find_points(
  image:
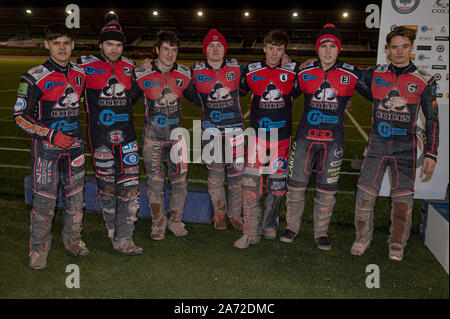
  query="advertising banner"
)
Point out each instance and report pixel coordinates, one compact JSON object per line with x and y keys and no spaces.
{"x":431,"y":20}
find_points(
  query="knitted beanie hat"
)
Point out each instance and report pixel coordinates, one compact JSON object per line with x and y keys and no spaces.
{"x":214,"y":35}
{"x":329,"y":33}
{"x":112,"y":29}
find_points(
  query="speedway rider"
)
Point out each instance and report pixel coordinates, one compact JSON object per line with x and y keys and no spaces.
{"x":110,"y":95}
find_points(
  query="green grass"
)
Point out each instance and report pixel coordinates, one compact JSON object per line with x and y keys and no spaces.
{"x":204,"y":264}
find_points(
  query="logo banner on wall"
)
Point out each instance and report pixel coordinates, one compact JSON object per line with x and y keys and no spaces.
{"x":430,"y":19}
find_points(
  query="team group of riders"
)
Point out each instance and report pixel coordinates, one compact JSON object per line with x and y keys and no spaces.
{"x":48,"y":107}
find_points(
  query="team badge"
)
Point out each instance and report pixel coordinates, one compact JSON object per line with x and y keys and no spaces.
{"x":116,"y":136}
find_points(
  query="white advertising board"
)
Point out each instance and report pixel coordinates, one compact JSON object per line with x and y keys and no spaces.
{"x":431,"y":20}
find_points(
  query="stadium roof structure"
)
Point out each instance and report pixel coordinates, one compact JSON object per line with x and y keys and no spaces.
{"x":243,"y":33}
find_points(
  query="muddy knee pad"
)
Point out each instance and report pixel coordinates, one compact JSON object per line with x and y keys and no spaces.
{"x":276,"y":186}
{"x":295,"y":205}
{"x":251,"y":206}
{"x":401,"y":215}
{"x":324,"y":202}
{"x":234,"y":196}
{"x":363,"y":219}
{"x":155,"y":195}
{"x":73,"y":212}
{"x":177,"y":200}
{"x":272,"y":208}
{"x":108,"y":201}
{"x":127,"y":208}
{"x":216,"y":190}
{"x":41,"y":218}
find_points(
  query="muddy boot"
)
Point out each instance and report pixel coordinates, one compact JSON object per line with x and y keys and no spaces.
{"x":270,"y":233}
{"x":177,"y":229}
{"x":158,"y":232}
{"x":359,"y":247}
{"x":245,"y":241}
{"x":38,"y":259}
{"x":287,"y":236}
{"x":77,"y":248}
{"x":127,"y":246}
{"x":323,"y":243}
{"x":159,"y":222}
{"x":396,"y":252}
{"x":236,"y":222}
{"x":220,"y":221}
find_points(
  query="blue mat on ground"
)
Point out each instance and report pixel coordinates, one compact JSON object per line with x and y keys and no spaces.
{"x":197,"y":209}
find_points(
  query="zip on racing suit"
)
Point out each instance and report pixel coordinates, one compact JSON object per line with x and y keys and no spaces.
{"x":398,"y":94}
{"x":49,"y":101}
{"x":110,"y":94}
{"x":270,"y":112}
{"x":162,"y":94}
{"x":222,"y":116}
{"x":320,"y":140}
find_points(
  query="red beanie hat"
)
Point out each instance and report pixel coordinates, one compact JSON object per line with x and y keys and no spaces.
{"x":329,"y":33}
{"x":214,"y":35}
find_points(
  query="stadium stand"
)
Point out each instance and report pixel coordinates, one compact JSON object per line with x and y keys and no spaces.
{"x":244,"y":34}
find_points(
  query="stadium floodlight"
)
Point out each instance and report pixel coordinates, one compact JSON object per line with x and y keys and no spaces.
{"x":295,"y":14}
{"x":29,"y":11}
{"x":200,"y":13}
{"x":155,"y":13}
{"x":345,"y":14}
{"x":247,"y":14}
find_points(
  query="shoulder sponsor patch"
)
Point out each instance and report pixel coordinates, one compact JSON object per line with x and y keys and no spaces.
{"x":291,"y":66}
{"x":254,"y":66}
{"x":128,"y":60}
{"x":348,"y":66}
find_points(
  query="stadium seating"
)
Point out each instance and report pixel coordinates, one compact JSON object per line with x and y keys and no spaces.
{"x":243,"y":34}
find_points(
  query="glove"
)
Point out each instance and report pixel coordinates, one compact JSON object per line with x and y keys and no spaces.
{"x":62,"y":140}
